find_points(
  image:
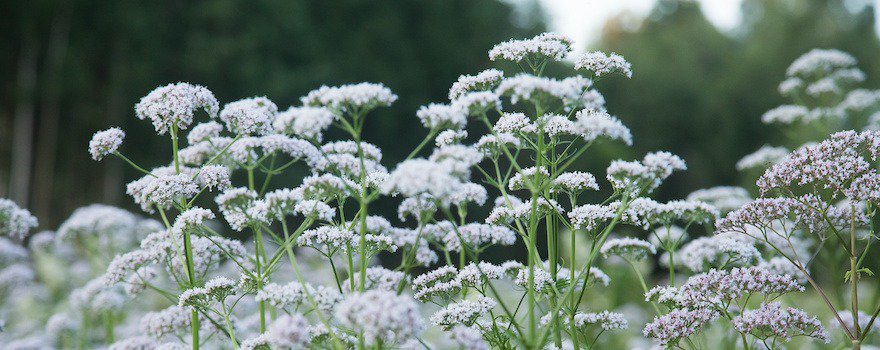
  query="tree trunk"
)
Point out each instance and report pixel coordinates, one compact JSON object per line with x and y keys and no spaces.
{"x":47,"y":137}
{"x":23,"y":127}
{"x":115,"y":112}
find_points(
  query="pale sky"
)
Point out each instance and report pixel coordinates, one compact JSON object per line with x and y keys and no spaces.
{"x":582,"y":20}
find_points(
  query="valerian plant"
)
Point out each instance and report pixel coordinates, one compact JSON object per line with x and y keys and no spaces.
{"x":228,"y":259}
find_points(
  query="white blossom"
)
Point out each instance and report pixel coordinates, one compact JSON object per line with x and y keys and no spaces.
{"x":439,"y":116}
{"x":601,"y":64}
{"x":175,"y":104}
{"x":105,"y":142}
{"x":306,"y":122}
{"x":347,"y":98}
{"x":484,"y":80}
{"x":15,"y":222}
{"x":547,"y":45}
{"x":250,"y":116}
{"x":380,"y":315}
{"x":763,"y":157}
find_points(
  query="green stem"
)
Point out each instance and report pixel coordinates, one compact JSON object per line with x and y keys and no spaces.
{"x":85,"y":330}
{"x":672,"y":267}
{"x":571,"y":279}
{"x":421,"y":145}
{"x":258,"y":242}
{"x":362,"y":248}
{"x":854,"y":278}
{"x":642,"y":282}
{"x":289,"y":248}
{"x":108,"y":327}
{"x":229,"y":326}
{"x":187,"y":251}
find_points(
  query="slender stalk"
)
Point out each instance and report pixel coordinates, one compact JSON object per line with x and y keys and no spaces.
{"x":532,"y":260}
{"x":362,"y":248}
{"x":85,"y":330}
{"x":854,"y":279}
{"x":229,"y":328}
{"x":642,"y":282}
{"x":187,"y":248}
{"x":258,"y":242}
{"x":672,"y":267}
{"x":289,"y":248}
{"x":573,"y":304}
{"x":108,"y":327}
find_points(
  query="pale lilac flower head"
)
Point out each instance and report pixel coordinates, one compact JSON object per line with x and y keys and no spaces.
{"x":678,"y":324}
{"x":105,"y":142}
{"x":772,"y":321}
{"x":832,"y":164}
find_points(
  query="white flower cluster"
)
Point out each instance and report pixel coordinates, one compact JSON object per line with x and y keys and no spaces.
{"x":348,"y":98}
{"x":105,"y":142}
{"x":381,"y":316}
{"x":593,"y":123}
{"x":725,"y":198}
{"x":546,"y":45}
{"x":15,"y":222}
{"x":820,"y":61}
{"x":763,"y":157}
{"x":250,"y":116}
{"x":529,"y":87}
{"x":439,"y":116}
{"x":462,"y":313}
{"x":485,"y":80}
{"x":601,"y":64}
{"x":173,"y":105}
{"x":787,"y":114}
{"x":718,"y":251}
{"x":305,"y":122}
{"x":575,"y":182}
{"x":607,"y":320}
{"x":161,"y":189}
{"x":450,"y":137}
{"x":643,"y":177}
{"x":629,"y":248}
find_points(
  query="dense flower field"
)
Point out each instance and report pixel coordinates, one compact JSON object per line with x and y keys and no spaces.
{"x":222,"y":258}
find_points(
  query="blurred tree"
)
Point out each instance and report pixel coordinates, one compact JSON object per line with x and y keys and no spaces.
{"x":700,"y":93}
{"x":73,"y":67}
